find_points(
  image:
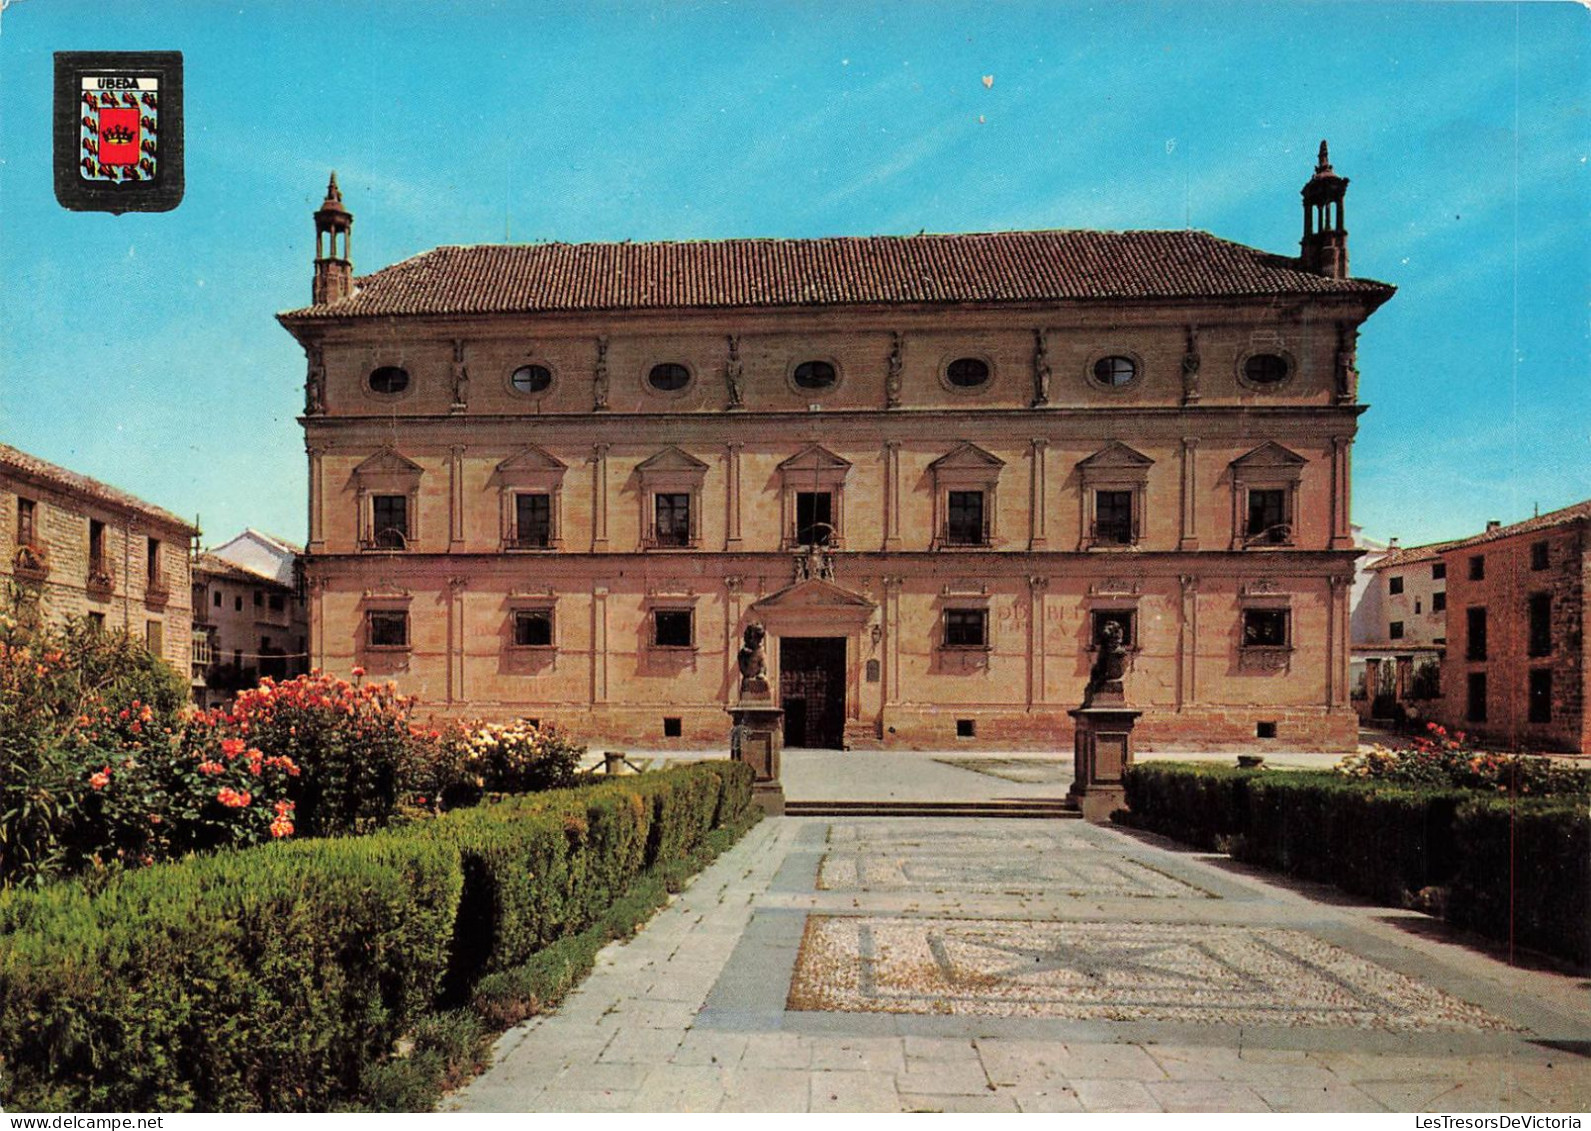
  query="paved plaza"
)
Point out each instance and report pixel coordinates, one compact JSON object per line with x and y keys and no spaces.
{"x":954,"y":964}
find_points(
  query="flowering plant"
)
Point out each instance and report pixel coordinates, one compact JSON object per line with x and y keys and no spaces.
{"x":520,"y":757}
{"x":1443,"y":758}
{"x":344,"y":750}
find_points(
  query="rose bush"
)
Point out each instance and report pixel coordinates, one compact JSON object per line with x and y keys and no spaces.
{"x":1444,"y":758}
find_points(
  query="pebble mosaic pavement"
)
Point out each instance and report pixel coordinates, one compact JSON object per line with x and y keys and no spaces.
{"x":842,"y":964}
{"x":1110,"y":972}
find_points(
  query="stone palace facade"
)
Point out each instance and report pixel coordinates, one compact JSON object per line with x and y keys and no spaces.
{"x":558,"y":481}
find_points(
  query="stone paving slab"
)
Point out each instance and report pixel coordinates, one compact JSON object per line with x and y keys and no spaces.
{"x":693,"y":1015}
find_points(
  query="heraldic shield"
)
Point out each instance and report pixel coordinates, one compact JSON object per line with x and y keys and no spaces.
{"x":121,"y":128}
{"x":123,"y":138}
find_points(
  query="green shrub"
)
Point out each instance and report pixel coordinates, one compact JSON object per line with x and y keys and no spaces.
{"x":1199,"y":804}
{"x":281,"y":977}
{"x":1386,"y":842}
{"x":1525,"y":866}
{"x":266,"y":979}
{"x":1523,"y":862}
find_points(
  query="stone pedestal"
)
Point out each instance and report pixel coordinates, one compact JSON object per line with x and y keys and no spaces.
{"x":756,"y":737}
{"x":1103,"y":752}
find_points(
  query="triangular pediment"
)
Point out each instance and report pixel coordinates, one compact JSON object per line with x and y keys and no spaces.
{"x":1269,"y":455}
{"x":532,"y":459}
{"x":388,"y":462}
{"x":965,"y":457}
{"x":670,"y":459}
{"x":1116,"y":455}
{"x":813,"y":595}
{"x":814,"y":457}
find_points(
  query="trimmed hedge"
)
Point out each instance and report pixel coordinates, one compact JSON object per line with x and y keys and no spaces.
{"x":1550,"y":844}
{"x":1388,"y":842}
{"x":279,"y":978}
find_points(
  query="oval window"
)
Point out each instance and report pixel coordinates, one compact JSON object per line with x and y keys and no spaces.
{"x":669,"y":377}
{"x":814,"y":375}
{"x":967,"y":372}
{"x":531,"y":379}
{"x":389,"y":379}
{"x":1115,"y":371}
{"x":1265,"y":369}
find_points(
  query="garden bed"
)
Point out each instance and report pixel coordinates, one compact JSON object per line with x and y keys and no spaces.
{"x":285,"y":977}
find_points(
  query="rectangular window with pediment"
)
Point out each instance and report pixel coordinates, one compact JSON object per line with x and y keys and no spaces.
{"x":1267,"y":517}
{"x":671,"y":519}
{"x":532,"y":521}
{"x":389,"y":521}
{"x":814,"y":518}
{"x":1113,"y":518}
{"x":965,"y":519}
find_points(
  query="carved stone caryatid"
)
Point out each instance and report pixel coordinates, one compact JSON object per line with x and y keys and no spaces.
{"x":461,"y":378}
{"x":1041,"y":369}
{"x":1347,"y":364}
{"x":892,"y":380}
{"x":1190,"y":369}
{"x":1104,"y":681}
{"x":599,"y":380}
{"x":315,"y":382}
{"x":753,"y":664}
{"x":734,"y":374}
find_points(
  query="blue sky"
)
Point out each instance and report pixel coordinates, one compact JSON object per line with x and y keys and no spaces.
{"x":141,"y":349}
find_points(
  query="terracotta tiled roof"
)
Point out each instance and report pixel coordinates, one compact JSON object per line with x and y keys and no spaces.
{"x":208,"y":564}
{"x":71,"y":482}
{"x":1411,"y":555}
{"x":992,"y":267}
{"x":1579,"y":512}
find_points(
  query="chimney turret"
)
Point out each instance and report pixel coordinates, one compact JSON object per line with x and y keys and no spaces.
{"x":334,"y":268}
{"x":1325,"y":242}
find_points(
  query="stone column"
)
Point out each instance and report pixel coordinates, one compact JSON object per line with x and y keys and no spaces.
{"x":599,"y":644}
{"x":1037,"y":677}
{"x":1341,"y":534}
{"x":1188,"y":642}
{"x":732,"y":497}
{"x":891,"y":495}
{"x":1190,"y":496}
{"x":317,"y":517}
{"x":455,"y":638}
{"x":1038,"y":534}
{"x":599,"y":497}
{"x":733,"y":603}
{"x":1337,"y":642}
{"x":455,"y":499}
{"x":317,"y":622}
{"x":891,"y":641}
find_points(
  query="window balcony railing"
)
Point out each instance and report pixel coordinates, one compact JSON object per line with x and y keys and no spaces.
{"x":100,"y":577}
{"x":1113,"y":533}
{"x":390,"y":539}
{"x":1278,"y":534}
{"x":971,"y":537}
{"x":31,"y":562}
{"x":157,"y":591}
{"x":533,"y":540}
{"x":668,"y":540}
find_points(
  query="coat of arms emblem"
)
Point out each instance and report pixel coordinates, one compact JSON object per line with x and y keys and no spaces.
{"x":125,"y":130}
